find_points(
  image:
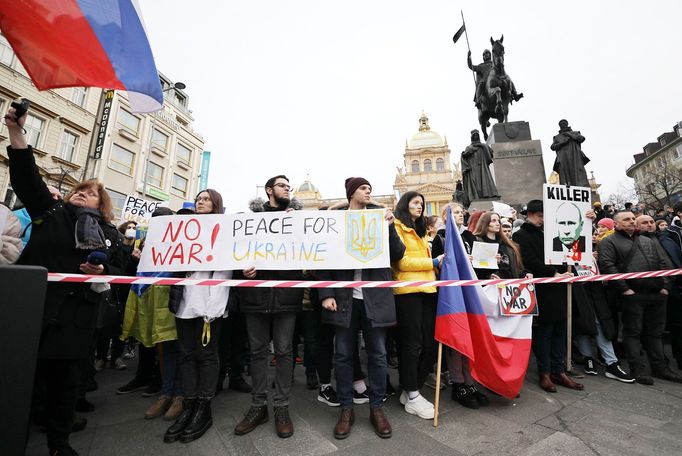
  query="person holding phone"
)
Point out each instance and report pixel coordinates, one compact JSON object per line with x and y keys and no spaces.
{"x":64,"y":235}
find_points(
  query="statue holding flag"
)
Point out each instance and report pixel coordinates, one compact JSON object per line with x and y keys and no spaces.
{"x":481,"y":72}
{"x":495,"y":90}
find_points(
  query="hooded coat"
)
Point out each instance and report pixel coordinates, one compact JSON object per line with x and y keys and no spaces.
{"x":271,"y":300}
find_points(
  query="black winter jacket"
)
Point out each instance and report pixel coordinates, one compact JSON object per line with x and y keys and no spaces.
{"x":70,"y":314}
{"x":270,"y":300}
{"x":379,"y":302}
{"x":552,"y":299}
{"x":613,"y":252}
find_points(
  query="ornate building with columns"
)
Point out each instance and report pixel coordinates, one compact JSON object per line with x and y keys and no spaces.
{"x":427,"y":168}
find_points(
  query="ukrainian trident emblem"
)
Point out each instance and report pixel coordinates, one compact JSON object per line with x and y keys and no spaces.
{"x":364,"y":234}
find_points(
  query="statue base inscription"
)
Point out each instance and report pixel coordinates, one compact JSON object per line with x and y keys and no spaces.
{"x":518,"y":165}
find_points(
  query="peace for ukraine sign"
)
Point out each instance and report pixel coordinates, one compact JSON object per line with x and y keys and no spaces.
{"x":267,"y":240}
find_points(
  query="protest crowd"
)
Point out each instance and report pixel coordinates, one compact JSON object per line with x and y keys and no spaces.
{"x":193,"y":341}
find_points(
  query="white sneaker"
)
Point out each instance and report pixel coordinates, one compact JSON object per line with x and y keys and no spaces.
{"x":119,"y":364}
{"x":403,"y":397}
{"x":99,"y":365}
{"x":421,"y":407}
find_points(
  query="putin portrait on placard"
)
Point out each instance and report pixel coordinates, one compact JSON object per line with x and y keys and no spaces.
{"x":569,"y":222}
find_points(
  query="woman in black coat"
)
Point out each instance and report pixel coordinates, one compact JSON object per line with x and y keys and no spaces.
{"x":73,"y":236}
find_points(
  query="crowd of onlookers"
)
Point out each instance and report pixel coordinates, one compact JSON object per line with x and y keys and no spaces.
{"x":191,"y":341}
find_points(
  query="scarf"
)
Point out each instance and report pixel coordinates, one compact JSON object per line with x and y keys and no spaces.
{"x":89,"y":235}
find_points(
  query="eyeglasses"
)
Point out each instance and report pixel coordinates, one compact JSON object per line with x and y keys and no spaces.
{"x":283,"y":185}
{"x":202,"y":199}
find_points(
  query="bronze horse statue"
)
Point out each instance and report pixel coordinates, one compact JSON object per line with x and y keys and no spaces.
{"x":499,"y":90}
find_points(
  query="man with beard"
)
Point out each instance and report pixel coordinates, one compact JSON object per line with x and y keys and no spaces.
{"x":271,"y":311}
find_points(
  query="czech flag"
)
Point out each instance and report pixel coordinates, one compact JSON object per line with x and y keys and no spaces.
{"x":469,"y":321}
{"x":84,"y":43}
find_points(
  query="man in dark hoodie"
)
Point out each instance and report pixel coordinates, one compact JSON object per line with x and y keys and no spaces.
{"x":271,"y":311}
{"x":369,"y":309}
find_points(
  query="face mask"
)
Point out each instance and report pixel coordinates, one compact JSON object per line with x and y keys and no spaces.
{"x":130,"y":233}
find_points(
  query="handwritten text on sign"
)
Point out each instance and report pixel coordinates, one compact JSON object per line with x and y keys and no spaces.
{"x":518,"y":299}
{"x":267,"y":240}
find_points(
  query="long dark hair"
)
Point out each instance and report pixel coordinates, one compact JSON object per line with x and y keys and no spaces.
{"x":482,"y":231}
{"x":402,"y":213}
{"x":216,"y":199}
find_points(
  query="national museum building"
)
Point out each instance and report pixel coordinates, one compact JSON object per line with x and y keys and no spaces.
{"x":426,"y":169}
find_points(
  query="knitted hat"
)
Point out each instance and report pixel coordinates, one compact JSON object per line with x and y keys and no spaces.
{"x":352,"y":184}
{"x":607,"y":222}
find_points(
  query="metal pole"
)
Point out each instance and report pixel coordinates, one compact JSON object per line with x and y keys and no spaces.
{"x":149,"y":154}
{"x":466,"y":35}
{"x":569,"y":327}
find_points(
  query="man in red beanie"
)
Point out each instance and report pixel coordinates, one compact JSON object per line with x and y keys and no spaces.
{"x":369,"y":309}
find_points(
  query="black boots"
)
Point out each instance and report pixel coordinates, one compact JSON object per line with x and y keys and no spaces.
{"x":200,"y":422}
{"x":192,"y":423}
{"x":173,"y":433}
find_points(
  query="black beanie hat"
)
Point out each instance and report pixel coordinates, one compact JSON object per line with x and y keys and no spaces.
{"x":352,"y":184}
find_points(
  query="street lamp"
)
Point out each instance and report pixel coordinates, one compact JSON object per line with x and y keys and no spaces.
{"x":175,"y":86}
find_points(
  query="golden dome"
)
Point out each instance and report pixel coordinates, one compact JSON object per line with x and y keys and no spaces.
{"x":425,"y":137}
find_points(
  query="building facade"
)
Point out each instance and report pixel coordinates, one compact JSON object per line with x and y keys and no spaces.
{"x":59,"y":125}
{"x":153,"y":156}
{"x":427,"y":168}
{"x":156,"y":156}
{"x":657,"y":171}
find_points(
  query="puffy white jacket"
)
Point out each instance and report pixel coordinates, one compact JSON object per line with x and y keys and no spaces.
{"x":205,"y":301}
{"x":10,"y":237}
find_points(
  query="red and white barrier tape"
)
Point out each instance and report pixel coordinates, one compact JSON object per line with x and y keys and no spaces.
{"x":81,"y":278}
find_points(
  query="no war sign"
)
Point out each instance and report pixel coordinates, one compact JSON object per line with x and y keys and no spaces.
{"x":518,"y":299}
{"x":272,"y":240}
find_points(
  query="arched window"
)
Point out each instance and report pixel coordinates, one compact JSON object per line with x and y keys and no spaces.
{"x":440,"y":164}
{"x":415,"y":166}
{"x":427,"y":165}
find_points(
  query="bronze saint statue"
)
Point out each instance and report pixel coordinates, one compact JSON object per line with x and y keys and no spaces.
{"x":477,"y":180}
{"x":570,"y":160}
{"x":497,"y":90}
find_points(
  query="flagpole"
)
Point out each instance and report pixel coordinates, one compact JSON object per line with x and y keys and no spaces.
{"x":466,"y":35}
{"x":438,"y":366}
{"x":569,"y":327}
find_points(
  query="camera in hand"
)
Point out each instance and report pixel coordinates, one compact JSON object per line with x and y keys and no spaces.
{"x":20,"y":108}
{"x":97,"y":257}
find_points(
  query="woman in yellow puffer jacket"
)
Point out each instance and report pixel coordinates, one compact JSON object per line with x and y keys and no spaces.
{"x":415,"y":306}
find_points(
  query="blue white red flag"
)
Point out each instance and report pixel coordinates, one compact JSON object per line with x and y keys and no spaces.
{"x":468,"y":320}
{"x":84,"y":43}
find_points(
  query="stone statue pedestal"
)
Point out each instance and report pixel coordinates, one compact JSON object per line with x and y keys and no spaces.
{"x":518,"y":167}
{"x":483,"y":204}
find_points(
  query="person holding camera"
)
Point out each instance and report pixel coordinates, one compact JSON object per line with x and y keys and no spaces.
{"x":73,"y":236}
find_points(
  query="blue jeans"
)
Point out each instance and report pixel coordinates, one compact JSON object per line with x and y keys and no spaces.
{"x":549,"y":347}
{"x":170,"y":375}
{"x":605,"y":346}
{"x":345,"y":347}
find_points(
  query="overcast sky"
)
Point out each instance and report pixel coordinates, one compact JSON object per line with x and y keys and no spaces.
{"x":334,"y":88}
